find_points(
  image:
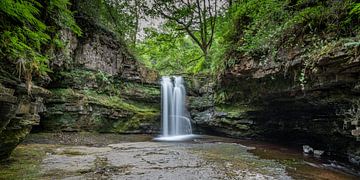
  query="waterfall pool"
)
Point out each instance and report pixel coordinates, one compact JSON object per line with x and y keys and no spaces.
{"x":185,"y":137}
{"x":114,"y":156}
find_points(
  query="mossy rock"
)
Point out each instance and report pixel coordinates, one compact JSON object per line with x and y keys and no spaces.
{"x":236,"y":111}
{"x":89,"y":110}
{"x":10,"y":138}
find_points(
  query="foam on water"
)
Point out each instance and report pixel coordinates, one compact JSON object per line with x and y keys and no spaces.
{"x":176,"y":138}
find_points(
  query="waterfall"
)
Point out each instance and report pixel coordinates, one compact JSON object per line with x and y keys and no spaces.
{"x":174,"y":120}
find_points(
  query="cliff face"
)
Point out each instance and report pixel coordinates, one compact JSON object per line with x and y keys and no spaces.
{"x":18,"y":113}
{"x":315,"y":104}
{"x":292,"y":74}
{"x":96,"y":85}
{"x":99,"y":86}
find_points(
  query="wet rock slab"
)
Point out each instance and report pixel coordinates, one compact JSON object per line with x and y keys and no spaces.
{"x":142,"y":160}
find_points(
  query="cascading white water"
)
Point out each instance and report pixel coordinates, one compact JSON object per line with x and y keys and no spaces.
{"x":175,"y":124}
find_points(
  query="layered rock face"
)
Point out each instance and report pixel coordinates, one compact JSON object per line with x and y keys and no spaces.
{"x":315,"y":104}
{"x":96,"y":85}
{"x":99,"y":86}
{"x":18,"y":113}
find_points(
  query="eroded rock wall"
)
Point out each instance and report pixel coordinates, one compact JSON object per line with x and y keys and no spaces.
{"x":292,"y":100}
{"x":99,"y":86}
{"x":19,"y":111}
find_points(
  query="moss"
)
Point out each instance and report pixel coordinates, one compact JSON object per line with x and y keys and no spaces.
{"x":77,"y":74}
{"x":65,"y":94}
{"x":242,"y":127}
{"x":71,"y":153}
{"x":135,"y":122}
{"x":75,"y":77}
{"x":225,"y":154}
{"x":131,"y":114}
{"x":57,"y":121}
{"x":87,"y":79}
{"x":91,"y":96}
{"x":114,"y":102}
{"x":130,"y":88}
{"x":234,"y":111}
{"x":124,"y":126}
{"x":24,"y":162}
{"x":10,"y":138}
{"x":226,"y":121}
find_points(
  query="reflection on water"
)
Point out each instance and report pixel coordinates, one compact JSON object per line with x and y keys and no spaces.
{"x":297,"y":165}
{"x":234,"y":157}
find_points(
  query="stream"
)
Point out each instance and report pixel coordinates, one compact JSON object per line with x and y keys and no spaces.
{"x":113,"y":156}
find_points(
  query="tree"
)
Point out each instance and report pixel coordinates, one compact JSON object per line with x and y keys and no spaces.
{"x":125,"y":15}
{"x":195,"y":17}
{"x":168,"y":51}
{"x":119,"y":16}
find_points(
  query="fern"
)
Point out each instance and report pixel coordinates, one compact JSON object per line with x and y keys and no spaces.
{"x":62,"y":16}
{"x":24,"y":35}
{"x":356,"y":9}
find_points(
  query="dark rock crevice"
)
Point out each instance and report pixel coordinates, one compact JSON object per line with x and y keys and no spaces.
{"x":295,"y":102}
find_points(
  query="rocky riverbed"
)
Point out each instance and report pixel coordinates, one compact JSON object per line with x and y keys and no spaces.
{"x":110,"y":156}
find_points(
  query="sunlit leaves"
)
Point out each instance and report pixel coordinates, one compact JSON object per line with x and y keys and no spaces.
{"x":169,"y":52}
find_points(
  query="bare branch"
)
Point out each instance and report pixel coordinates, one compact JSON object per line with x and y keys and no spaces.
{"x":186,"y":27}
{"x":191,"y":61}
{"x":195,"y":17}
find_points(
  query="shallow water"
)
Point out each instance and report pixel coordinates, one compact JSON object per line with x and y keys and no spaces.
{"x":112,"y":156}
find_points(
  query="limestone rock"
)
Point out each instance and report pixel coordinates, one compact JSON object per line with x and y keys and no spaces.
{"x":287,"y":100}
{"x":18,"y":114}
{"x":98,"y":85}
{"x":307,"y":149}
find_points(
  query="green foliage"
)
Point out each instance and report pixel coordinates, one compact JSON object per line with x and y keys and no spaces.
{"x":262,"y":27}
{"x":121,"y":17}
{"x":23,"y":11}
{"x":356,"y":10}
{"x":25,"y":36}
{"x":169,"y":52}
{"x":62,"y":16}
{"x":172,"y":51}
{"x":258,"y":28}
{"x":220,"y":45}
{"x":22,"y":42}
{"x":265,"y":16}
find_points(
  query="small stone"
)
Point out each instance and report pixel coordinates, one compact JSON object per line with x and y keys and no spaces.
{"x":356,"y":132}
{"x":307,"y":149}
{"x":318,"y":153}
{"x":354,"y":159}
